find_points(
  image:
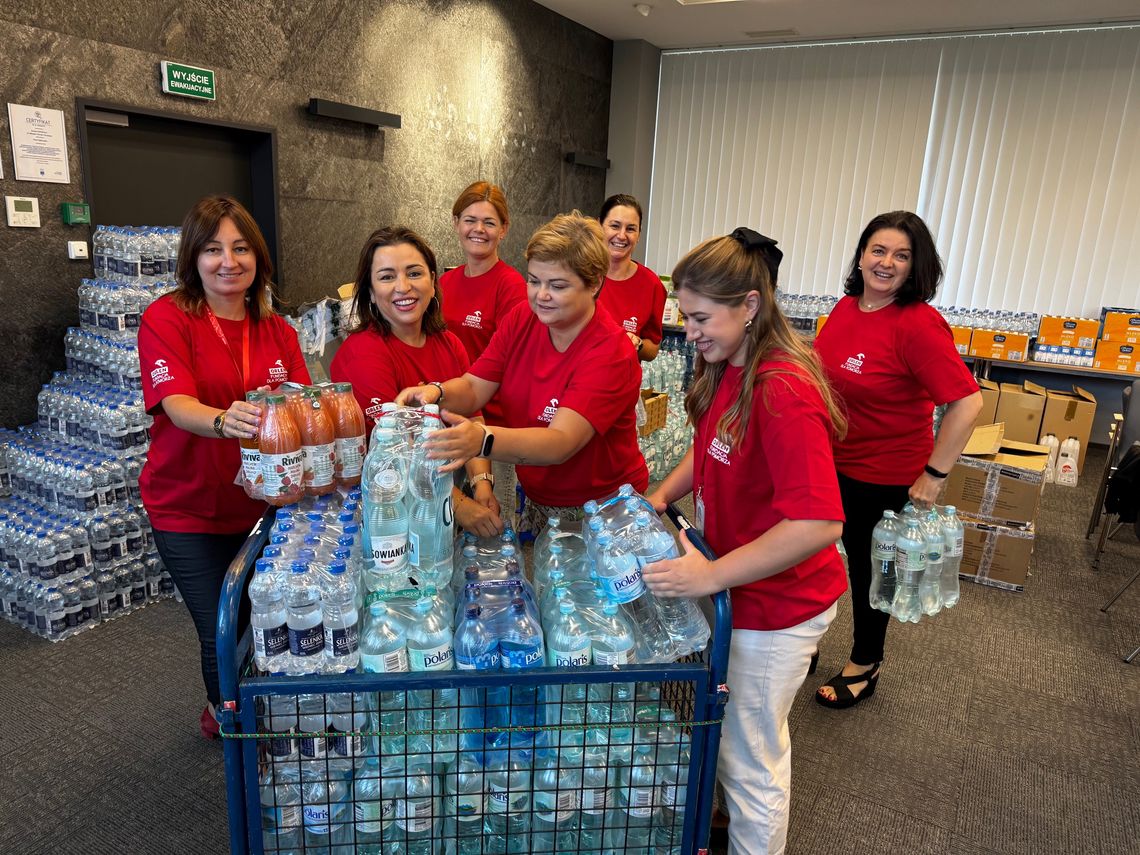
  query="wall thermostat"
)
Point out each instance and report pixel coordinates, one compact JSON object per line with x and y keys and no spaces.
{"x":23,"y":211}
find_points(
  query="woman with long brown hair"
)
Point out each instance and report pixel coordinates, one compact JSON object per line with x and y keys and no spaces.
{"x":763,"y":482}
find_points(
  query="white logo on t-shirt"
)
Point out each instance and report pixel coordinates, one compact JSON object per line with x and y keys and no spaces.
{"x":630,"y":324}
{"x":475,"y":320}
{"x":854,"y":364}
{"x":160,"y":373}
{"x":549,"y":410}
{"x":373,"y":408}
{"x":278,"y":373}
{"x":719,"y":451}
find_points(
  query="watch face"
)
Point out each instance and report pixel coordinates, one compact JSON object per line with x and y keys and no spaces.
{"x":488,"y":443}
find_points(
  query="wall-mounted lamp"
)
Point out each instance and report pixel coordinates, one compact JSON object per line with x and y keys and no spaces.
{"x":349,"y":113}
{"x":579,"y":158}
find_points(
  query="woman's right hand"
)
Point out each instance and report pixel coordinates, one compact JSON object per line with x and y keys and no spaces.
{"x":414,"y":396}
{"x":242,"y":421}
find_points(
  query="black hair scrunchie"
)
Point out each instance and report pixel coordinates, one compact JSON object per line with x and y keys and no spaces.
{"x":751,"y":240}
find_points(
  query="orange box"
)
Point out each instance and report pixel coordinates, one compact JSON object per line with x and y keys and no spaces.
{"x":1068,"y":332}
{"x":1117,"y":356}
{"x":962,"y":339}
{"x":819,"y":322}
{"x":1122,"y":327}
{"x":991,"y":344}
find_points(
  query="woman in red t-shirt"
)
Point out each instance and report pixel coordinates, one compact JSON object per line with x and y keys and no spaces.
{"x":201,"y":348}
{"x":565,"y":376}
{"x":890,"y":357}
{"x":763,"y":482}
{"x":479,"y":294}
{"x":632,"y":293}
{"x":399,"y":340}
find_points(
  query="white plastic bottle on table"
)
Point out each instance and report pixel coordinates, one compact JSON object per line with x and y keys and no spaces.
{"x":1053,"y":444}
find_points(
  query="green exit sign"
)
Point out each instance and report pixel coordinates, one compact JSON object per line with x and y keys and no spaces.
{"x":188,"y":81}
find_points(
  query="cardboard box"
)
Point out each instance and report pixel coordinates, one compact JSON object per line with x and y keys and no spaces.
{"x":656,"y":410}
{"x":1069,"y":414}
{"x":1117,"y":356}
{"x":990,"y":392}
{"x":992,"y":344}
{"x":996,"y":480}
{"x":1020,"y":409}
{"x":995,"y":555}
{"x":819,"y":322}
{"x":962,"y":339}
{"x":1121,"y":327}
{"x":1068,"y":332}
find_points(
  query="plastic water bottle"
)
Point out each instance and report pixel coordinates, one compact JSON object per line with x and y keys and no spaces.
{"x":1053,"y":444}
{"x":267,"y":619}
{"x":430,"y":649}
{"x":477,"y":649}
{"x":384,"y":650}
{"x":281,"y":819}
{"x":568,"y":645}
{"x":507,"y":828}
{"x":418,"y":810}
{"x":953,"y":533}
{"x":884,"y":576}
{"x":303,"y":619}
{"x":340,"y":618}
{"x":929,"y":589}
{"x":385,"y":482}
{"x":595,"y":798}
{"x":910,"y":561}
{"x":325,"y":810}
{"x":521,"y":647}
{"x":374,"y":797}
{"x":682,"y":617}
{"x":631,"y":825}
{"x":620,"y":577}
{"x":557,"y":800}
{"x":465,"y":801}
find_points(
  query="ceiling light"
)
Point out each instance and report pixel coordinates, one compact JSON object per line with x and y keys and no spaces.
{"x":643,"y":9}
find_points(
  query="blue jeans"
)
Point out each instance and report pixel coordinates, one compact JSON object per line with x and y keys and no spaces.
{"x":198,"y":565}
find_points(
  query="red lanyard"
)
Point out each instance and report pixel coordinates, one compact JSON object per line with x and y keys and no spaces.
{"x":243,"y":369}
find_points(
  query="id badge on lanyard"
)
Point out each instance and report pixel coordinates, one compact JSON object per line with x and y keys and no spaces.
{"x":699,"y":506}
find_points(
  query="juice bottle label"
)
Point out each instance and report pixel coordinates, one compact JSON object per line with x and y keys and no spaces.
{"x":251,"y":465}
{"x":349,"y":456}
{"x":318,"y":462}
{"x":281,"y":473}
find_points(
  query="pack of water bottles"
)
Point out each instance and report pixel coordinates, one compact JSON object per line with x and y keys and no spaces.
{"x":143,"y":254}
{"x":75,"y":547}
{"x":914,"y":562}
{"x":670,"y":372}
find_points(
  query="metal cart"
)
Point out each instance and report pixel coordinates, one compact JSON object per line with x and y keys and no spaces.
{"x":591,"y":760}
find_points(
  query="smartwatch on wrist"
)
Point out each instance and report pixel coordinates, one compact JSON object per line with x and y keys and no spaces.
{"x":934,"y":473}
{"x":220,"y":424}
{"x":488,"y":443}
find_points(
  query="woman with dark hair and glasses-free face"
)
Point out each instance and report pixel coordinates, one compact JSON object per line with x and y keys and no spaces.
{"x":565,"y":377}
{"x":632,"y":293}
{"x":400,"y":340}
{"x":202,"y":347}
{"x":891,"y":358}
{"x":479,"y":294}
{"x":763,"y":484}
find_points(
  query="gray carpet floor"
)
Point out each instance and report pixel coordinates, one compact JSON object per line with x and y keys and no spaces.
{"x":1006,"y":725}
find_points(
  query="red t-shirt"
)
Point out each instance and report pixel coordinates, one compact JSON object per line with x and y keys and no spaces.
{"x":379,"y":366}
{"x":187,"y":483}
{"x":781,"y":469}
{"x":636,"y":303}
{"x":598,"y":377}
{"x":890,"y":368}
{"x":474,"y":306}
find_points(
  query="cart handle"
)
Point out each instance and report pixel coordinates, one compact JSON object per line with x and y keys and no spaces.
{"x":229,"y":605}
{"x":722,"y":605}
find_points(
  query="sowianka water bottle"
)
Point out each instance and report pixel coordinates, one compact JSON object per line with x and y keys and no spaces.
{"x":385,"y":482}
{"x":953,"y":533}
{"x":883,"y":571}
{"x":910,"y":560}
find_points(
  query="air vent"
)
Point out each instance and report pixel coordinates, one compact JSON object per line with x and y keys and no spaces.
{"x":772,"y":34}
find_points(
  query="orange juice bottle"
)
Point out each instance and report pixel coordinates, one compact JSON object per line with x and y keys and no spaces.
{"x":251,"y":453}
{"x":279,"y":442}
{"x":318,"y":444}
{"x":351,"y":439}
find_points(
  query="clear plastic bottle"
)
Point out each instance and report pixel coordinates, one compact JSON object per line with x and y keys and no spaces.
{"x":281,"y":820}
{"x":631,"y":823}
{"x":267,"y":619}
{"x":430,"y":648}
{"x":508,"y":824}
{"x":303,"y":618}
{"x":682,"y":617}
{"x":465,"y":801}
{"x":910,"y":562}
{"x":340,"y":618}
{"x":884,"y":573}
{"x":952,"y":531}
{"x":385,"y":482}
{"x":620,"y":577}
{"x":929,"y":589}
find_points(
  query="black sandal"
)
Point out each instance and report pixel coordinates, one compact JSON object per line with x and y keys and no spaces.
{"x":843,"y":695}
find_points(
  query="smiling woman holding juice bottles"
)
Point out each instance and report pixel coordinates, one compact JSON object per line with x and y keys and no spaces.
{"x":479,"y":294}
{"x":202,"y":348}
{"x":891,"y":358}
{"x":766,"y":498}
{"x":401,"y":340}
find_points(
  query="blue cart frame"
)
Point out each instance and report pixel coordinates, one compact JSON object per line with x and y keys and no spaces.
{"x":237,"y":713}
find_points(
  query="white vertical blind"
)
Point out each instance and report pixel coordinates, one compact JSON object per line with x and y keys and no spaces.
{"x":1019,"y":151}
